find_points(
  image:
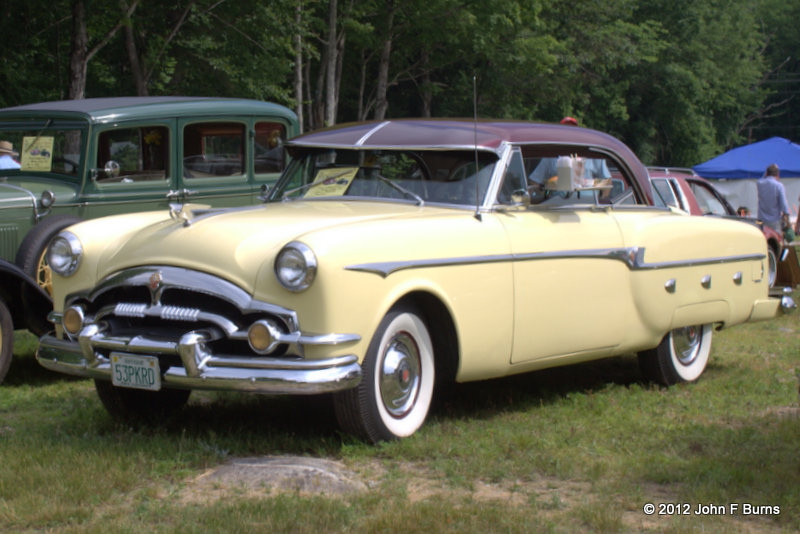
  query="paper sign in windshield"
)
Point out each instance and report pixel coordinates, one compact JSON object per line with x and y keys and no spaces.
{"x":36,"y":154}
{"x":332,"y":182}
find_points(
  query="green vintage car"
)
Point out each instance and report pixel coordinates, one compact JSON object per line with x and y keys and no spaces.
{"x":62,"y":162}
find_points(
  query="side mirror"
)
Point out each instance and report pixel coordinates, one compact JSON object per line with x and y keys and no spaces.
{"x":111,"y":169}
{"x":264,"y":194}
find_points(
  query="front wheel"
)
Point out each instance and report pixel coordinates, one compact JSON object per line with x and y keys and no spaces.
{"x":394,"y":396}
{"x":680,"y":357}
{"x":31,"y":256}
{"x":138,"y":405}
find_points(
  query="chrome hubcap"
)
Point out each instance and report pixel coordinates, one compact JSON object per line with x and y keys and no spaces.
{"x":686,"y":343}
{"x":773,"y":268}
{"x":400,"y":375}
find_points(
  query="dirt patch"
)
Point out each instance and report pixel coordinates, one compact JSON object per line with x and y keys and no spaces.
{"x":270,"y":475}
{"x":784,"y":412}
{"x":554,"y":499}
{"x":274,"y":474}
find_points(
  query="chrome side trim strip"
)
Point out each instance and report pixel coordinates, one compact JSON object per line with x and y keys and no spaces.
{"x":640,"y":264}
{"x":632,"y":257}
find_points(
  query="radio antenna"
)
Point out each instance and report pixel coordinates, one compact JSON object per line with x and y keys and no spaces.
{"x":475,"y":132}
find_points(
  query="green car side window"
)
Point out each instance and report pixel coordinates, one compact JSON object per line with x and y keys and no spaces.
{"x":136,"y":155}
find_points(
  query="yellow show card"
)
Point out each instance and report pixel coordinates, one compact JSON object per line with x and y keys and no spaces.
{"x":331,"y":182}
{"x":36,"y":154}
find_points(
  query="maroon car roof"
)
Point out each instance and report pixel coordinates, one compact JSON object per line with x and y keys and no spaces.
{"x":485,"y":134}
{"x":450,"y":133}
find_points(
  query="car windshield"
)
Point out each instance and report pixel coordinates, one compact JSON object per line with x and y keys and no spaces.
{"x":419,"y":176}
{"x":51,"y":148}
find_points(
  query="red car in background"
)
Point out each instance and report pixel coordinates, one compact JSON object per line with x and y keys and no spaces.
{"x":683,"y":189}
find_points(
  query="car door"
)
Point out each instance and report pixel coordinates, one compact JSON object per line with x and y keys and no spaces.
{"x":229,"y":162}
{"x":130,"y":168}
{"x":213,"y":155}
{"x":571,"y":287}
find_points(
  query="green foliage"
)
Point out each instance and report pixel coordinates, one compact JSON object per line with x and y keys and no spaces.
{"x":679,"y":81}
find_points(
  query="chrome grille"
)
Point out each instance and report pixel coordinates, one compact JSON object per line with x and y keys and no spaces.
{"x":171,"y":302}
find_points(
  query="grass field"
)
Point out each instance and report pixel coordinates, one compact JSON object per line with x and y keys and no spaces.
{"x":575,"y":449}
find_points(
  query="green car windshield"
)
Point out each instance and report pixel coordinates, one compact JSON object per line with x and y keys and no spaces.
{"x":50,"y":149}
{"x":419,"y":176}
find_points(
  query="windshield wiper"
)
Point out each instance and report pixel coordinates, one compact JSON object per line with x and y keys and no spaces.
{"x":402,"y":189}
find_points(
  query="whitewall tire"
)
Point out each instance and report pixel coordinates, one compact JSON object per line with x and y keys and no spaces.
{"x":396,"y":389}
{"x":681,"y":356}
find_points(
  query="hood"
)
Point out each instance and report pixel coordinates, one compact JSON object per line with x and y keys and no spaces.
{"x":20,"y":190}
{"x":235,"y":243}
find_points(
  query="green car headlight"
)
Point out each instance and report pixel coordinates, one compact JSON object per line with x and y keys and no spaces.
{"x":64,"y":254}
{"x":295,"y":266}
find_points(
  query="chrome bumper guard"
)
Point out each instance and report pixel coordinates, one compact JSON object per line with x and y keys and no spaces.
{"x":788,"y":305}
{"x":201,"y":369}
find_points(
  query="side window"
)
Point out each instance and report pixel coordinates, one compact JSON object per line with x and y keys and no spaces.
{"x":213,"y":149}
{"x":664,"y":196}
{"x":268,"y":153}
{"x":139,"y":154}
{"x":708,"y":201}
{"x":514,"y":179}
{"x":574,"y":175}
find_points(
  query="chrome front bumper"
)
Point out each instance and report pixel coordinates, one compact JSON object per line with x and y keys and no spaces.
{"x":200,"y":369}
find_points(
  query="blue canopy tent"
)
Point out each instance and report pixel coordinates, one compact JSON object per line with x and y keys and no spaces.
{"x":735,"y":172}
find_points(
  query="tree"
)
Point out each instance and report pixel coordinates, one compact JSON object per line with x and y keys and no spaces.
{"x":81,"y":54}
{"x":664,"y":75}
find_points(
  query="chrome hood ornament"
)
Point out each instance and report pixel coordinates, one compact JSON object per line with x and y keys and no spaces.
{"x":156,"y":286}
{"x":179,"y":213}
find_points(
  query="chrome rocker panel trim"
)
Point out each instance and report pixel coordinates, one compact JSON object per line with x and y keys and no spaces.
{"x":201,"y":369}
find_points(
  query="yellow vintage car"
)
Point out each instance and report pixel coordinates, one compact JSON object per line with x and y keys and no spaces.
{"x":393,"y":257}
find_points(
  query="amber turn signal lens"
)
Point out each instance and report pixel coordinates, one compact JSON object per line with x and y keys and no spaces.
{"x":260,"y":337}
{"x":73,"y":320}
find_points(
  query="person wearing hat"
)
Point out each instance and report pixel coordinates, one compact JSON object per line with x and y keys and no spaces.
{"x":6,"y":151}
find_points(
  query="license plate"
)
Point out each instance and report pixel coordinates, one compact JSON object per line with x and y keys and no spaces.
{"x":134,"y":371}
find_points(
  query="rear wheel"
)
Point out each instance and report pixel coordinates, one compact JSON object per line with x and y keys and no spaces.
{"x":772,"y":265}
{"x":138,"y":404}
{"x":31,"y":256}
{"x":6,"y":340}
{"x":680,"y":357}
{"x":395,"y":393}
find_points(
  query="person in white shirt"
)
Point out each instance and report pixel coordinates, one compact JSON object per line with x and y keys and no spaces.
{"x":6,"y":156}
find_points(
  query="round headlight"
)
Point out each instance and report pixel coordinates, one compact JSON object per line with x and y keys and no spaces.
{"x":295,"y":266}
{"x":64,"y":254}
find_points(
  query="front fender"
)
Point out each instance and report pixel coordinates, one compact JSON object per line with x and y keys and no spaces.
{"x":29,"y":304}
